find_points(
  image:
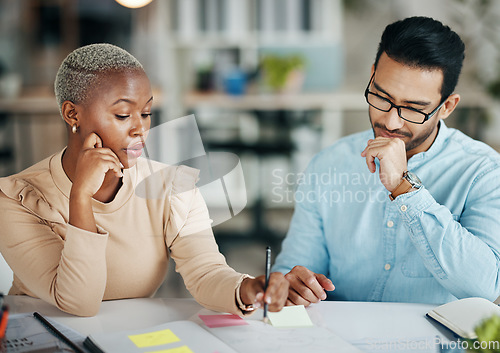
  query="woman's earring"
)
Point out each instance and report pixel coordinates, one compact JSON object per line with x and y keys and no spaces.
{"x":74,"y":128}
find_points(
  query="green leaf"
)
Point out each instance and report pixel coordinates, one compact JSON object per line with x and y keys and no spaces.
{"x":277,"y":68}
{"x":487,"y":331}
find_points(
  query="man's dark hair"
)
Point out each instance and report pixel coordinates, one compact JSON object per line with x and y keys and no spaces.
{"x":425,"y":43}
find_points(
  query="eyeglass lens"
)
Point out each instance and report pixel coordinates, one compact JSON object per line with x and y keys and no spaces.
{"x":385,"y":105}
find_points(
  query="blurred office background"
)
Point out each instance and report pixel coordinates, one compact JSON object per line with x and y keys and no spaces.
{"x":221,"y":60}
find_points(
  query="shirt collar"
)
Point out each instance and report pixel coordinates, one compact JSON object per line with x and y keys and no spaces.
{"x":436,"y":147}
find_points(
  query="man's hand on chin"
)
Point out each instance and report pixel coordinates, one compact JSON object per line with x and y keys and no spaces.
{"x":391,"y":153}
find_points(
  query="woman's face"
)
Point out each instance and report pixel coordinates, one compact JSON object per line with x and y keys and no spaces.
{"x":119,"y":112}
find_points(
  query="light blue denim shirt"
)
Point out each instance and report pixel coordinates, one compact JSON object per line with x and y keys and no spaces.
{"x":432,"y":245}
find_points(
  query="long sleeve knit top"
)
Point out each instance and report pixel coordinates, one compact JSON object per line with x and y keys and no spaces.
{"x":157,"y":213}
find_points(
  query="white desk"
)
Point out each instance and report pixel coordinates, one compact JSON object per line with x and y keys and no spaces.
{"x":352,"y":321}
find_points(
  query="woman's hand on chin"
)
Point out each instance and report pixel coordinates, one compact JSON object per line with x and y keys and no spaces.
{"x":93,"y":163}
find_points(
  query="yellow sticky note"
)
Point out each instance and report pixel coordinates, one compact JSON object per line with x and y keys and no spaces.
{"x":182,"y":349}
{"x":155,"y":338}
{"x":290,"y":316}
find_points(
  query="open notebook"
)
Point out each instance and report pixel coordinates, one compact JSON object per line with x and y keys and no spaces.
{"x":464,"y":315}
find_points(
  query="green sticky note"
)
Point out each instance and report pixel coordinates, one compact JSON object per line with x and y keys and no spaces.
{"x":155,"y":338}
{"x":291,"y":316}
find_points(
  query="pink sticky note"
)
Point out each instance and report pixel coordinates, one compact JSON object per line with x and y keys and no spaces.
{"x":222,"y":320}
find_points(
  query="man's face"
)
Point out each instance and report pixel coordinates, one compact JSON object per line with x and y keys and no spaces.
{"x":410,"y":87}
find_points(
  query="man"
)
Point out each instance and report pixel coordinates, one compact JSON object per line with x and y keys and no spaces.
{"x":363,"y":218}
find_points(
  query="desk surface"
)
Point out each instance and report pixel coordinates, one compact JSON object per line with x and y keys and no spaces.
{"x":352,"y":321}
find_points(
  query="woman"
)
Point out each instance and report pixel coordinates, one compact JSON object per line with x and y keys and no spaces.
{"x":72,"y":228}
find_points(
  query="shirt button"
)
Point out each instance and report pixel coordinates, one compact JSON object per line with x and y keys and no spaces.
{"x":387,"y":267}
{"x":390,"y":224}
{"x":404,"y":208}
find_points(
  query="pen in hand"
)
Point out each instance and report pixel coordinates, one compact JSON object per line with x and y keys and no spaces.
{"x":268,"y":270}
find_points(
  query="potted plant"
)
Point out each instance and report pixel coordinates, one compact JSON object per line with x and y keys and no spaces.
{"x":488,"y":337}
{"x":284,"y":74}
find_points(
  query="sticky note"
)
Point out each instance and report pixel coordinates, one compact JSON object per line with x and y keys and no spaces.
{"x":222,"y":320}
{"x":155,"y":338}
{"x":290,"y":316}
{"x":182,"y":349}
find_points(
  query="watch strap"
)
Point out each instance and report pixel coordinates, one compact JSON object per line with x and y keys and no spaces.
{"x":245,"y":308}
{"x":401,"y":189}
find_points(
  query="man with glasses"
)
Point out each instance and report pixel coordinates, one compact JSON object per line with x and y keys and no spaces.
{"x":363,"y":218}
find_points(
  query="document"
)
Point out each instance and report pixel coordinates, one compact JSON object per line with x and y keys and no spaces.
{"x":400,"y":345}
{"x":264,"y":338}
{"x":172,"y":337}
{"x":221,"y":333}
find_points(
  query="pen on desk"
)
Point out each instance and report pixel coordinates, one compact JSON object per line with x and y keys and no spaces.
{"x":268,"y":269}
{"x":57,"y":333}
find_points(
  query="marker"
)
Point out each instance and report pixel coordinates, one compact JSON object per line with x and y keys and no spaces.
{"x":268,"y":270}
{"x":4,"y":319}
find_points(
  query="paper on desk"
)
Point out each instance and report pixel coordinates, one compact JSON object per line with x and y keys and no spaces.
{"x":290,"y":316}
{"x":400,"y":345}
{"x":222,"y":320}
{"x":190,"y":337}
{"x":264,"y":338}
{"x":182,"y":349}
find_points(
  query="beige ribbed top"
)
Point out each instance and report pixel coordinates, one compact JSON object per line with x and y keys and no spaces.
{"x":158,"y":212}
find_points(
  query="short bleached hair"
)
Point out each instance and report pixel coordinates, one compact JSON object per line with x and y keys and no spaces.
{"x":81,"y":69}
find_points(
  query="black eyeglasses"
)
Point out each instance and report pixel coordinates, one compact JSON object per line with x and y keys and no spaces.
{"x":409,"y":114}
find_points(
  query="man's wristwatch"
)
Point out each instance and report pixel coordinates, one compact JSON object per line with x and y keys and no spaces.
{"x":409,"y":181}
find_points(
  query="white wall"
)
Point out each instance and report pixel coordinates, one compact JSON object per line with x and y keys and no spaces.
{"x":5,"y":276}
